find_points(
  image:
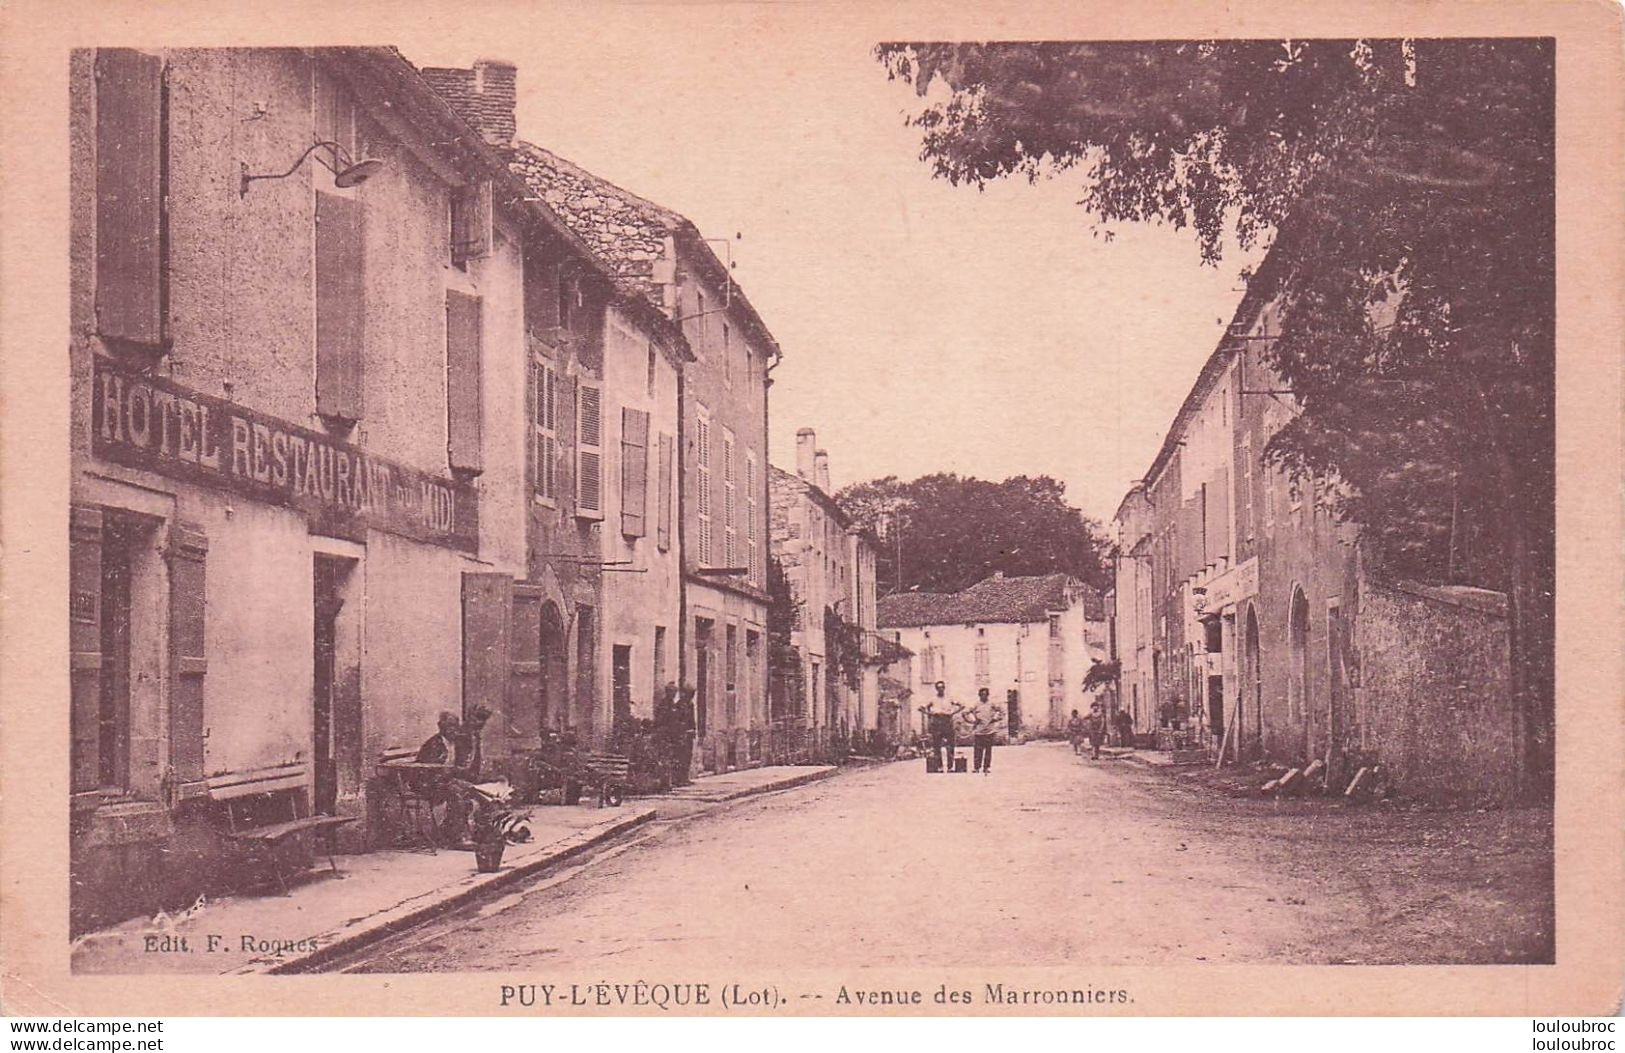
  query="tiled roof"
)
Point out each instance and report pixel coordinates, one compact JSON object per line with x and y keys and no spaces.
{"x":995,"y":599}
{"x":905,"y":609}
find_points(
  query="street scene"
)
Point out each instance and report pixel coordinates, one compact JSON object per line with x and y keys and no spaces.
{"x":1093,"y":499}
{"x":1051,"y":860}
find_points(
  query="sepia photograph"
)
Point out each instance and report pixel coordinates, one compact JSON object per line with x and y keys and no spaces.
{"x":931,"y":522}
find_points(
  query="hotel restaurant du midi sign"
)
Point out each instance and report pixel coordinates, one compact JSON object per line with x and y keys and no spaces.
{"x":149,"y":422}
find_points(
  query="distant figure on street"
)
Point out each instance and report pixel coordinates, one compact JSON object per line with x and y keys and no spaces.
{"x":1125,"y":729}
{"x":1097,"y":730}
{"x":985,"y":720}
{"x":1076,"y":729}
{"x":939,"y":724}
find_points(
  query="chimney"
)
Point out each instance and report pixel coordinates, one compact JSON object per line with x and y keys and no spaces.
{"x":494,"y":89}
{"x":483,"y":96}
{"x":806,"y":441}
{"x":821,"y":468}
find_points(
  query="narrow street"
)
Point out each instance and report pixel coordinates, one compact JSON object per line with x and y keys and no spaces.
{"x":1052,"y":859}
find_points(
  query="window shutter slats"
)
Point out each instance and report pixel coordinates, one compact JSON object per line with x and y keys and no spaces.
{"x":129,"y":196}
{"x":463,"y":404}
{"x":589,"y":451}
{"x":702,"y":485}
{"x":188,"y":662}
{"x":340,"y":306}
{"x":634,"y":472}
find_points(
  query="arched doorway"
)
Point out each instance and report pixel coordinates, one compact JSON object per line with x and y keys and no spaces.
{"x":1252,"y":692}
{"x":551,"y":704}
{"x":1298,"y":674}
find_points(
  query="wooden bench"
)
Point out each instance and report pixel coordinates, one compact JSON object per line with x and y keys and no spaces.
{"x":612,"y":772}
{"x":261,"y":842}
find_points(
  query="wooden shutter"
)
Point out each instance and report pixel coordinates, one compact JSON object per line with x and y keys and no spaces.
{"x":463,"y":406}
{"x":525,"y":663}
{"x":485,"y":653}
{"x":188,"y":649}
{"x":129,"y":196}
{"x":752,"y":561}
{"x":589,"y":451}
{"x":634,"y":472}
{"x":471,"y":222}
{"x":663,"y":502}
{"x":85,"y":644}
{"x":702,"y":483}
{"x":340,"y":306}
{"x":730,"y":496}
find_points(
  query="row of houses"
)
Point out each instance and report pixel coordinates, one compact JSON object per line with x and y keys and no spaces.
{"x":1247,"y":617}
{"x":380,"y":411}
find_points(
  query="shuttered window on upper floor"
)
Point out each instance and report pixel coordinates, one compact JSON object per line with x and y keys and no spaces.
{"x":471,"y":222}
{"x":634,"y":472}
{"x":463,"y":382}
{"x":702,"y":486}
{"x":544,"y":395}
{"x":730,"y":502}
{"x":340,"y":306}
{"x":589,"y":451}
{"x":131,"y":208}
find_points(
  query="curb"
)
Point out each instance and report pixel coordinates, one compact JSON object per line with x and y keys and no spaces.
{"x":751,"y":791}
{"x":389,"y":921}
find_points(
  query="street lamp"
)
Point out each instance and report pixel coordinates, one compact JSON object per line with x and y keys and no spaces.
{"x":348,"y":172}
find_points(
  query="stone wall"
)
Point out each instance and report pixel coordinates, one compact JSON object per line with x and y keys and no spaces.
{"x":1434,"y":705}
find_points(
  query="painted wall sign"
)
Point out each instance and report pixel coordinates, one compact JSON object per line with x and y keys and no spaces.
{"x":1233,"y":585}
{"x":150,"y":422}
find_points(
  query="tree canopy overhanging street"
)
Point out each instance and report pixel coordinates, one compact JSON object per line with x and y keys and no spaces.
{"x":1416,"y":332}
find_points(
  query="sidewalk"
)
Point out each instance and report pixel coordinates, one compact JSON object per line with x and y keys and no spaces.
{"x":376,"y":893}
{"x":373,"y":893}
{"x":729,"y":785}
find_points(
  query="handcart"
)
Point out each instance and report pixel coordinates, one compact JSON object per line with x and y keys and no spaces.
{"x":605,"y":773}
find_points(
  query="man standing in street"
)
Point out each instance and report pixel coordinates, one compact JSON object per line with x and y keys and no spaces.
{"x":985,"y":718}
{"x":939,"y":725}
{"x":1097,"y":730}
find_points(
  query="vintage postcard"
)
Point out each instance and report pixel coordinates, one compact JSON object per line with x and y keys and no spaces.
{"x":812,"y":509}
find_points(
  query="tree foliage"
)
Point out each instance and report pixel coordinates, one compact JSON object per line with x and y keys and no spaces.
{"x":952,"y":531}
{"x":1407,"y":191}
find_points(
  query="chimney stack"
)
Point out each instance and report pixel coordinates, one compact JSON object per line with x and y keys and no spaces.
{"x":806,"y":442}
{"x":484,"y":96}
{"x":821,"y":467}
{"x":496,"y":92}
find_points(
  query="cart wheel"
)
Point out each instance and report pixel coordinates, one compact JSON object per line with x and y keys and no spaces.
{"x":614,"y":794}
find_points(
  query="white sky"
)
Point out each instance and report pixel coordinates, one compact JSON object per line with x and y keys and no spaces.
{"x":925,"y":327}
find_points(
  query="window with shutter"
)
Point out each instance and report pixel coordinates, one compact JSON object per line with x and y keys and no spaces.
{"x":730,"y":531}
{"x":131,"y":220}
{"x":188,"y":653}
{"x":471,"y":220}
{"x":544,"y":384}
{"x":589,"y":452}
{"x":340,"y":306}
{"x":463,"y":401}
{"x":666,"y":482}
{"x":702,"y":486}
{"x":634,"y":472}
{"x":753,"y":560}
